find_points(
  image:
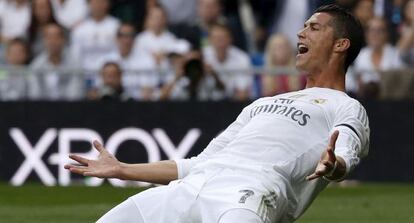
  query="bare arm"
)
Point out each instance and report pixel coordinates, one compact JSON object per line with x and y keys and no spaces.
{"x":161,"y":172}
{"x":219,"y":84}
{"x":107,"y":166}
{"x":167,"y":89}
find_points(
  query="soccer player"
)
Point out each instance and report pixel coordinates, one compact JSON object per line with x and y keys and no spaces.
{"x":274,"y":159}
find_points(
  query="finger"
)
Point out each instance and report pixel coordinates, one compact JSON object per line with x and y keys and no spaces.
{"x":78,"y":170}
{"x":68,"y":166}
{"x":321,"y":170}
{"x":332,"y":141}
{"x":331,"y":154}
{"x":98,"y":146}
{"x":328,"y":164}
{"x":312,"y":177}
{"x":79,"y":159}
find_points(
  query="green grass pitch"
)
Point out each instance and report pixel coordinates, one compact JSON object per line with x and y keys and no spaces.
{"x":379,"y":203}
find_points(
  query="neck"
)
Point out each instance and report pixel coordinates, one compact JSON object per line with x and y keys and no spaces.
{"x":99,"y":18}
{"x":378,"y":49}
{"x":55,"y":58}
{"x":20,"y":3}
{"x":157,"y":32}
{"x":331,"y":77}
{"x":221,"y":55}
{"x":125,"y":52}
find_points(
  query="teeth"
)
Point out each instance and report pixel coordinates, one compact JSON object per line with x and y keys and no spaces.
{"x":302,"y":48}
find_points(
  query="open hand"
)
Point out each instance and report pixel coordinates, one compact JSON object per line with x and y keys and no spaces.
{"x":106,"y":166}
{"x":328,"y":159}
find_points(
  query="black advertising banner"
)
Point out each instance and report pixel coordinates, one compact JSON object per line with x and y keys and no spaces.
{"x":36,"y":137}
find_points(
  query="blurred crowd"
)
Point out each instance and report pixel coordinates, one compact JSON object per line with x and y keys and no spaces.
{"x":151,"y":50}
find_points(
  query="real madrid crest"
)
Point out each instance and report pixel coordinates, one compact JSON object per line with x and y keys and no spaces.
{"x":318,"y":101}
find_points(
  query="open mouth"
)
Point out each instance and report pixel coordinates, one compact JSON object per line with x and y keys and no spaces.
{"x":302,"y":48}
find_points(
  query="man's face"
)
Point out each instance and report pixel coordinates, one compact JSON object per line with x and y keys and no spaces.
{"x":376,"y":33}
{"x":98,"y":8}
{"x":220,"y":38}
{"x":54,"y":38}
{"x":156,"y":19}
{"x":42,"y":10}
{"x":111,"y":76}
{"x":16,"y":54}
{"x":208,"y":10}
{"x":364,"y":10}
{"x":126,"y":37}
{"x":315,"y":43}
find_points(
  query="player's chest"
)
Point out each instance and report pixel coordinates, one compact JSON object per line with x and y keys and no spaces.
{"x":301,"y":110}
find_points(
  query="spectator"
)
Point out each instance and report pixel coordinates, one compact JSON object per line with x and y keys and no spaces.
{"x":55,"y":71}
{"x":187,"y":11}
{"x":209,"y":13}
{"x":140,"y":69}
{"x":112,"y":88}
{"x":406,"y":42}
{"x":364,"y":11}
{"x":230,"y":64}
{"x":189,"y":80}
{"x":279,"y":61}
{"x":94,"y":38}
{"x":14,"y":19}
{"x":18,"y":53}
{"x":70,"y":13}
{"x":42,"y":14}
{"x":12,"y":77}
{"x":157,"y":40}
{"x":377,"y":56}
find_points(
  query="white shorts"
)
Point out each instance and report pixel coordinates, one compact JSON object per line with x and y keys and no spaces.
{"x":220,"y":196}
{"x":128,"y":212}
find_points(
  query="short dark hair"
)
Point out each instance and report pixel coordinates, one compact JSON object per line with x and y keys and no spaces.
{"x":112,"y":63}
{"x":118,"y":32}
{"x":18,"y":41}
{"x":62,"y":29}
{"x":345,"y":26}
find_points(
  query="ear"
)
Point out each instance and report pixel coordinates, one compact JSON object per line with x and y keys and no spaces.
{"x":342,"y":45}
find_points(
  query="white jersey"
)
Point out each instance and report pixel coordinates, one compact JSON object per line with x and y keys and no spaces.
{"x":280,"y":140}
{"x":234,"y":71}
{"x":92,"y":40}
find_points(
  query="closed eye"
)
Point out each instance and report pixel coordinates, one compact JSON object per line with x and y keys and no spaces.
{"x":313,"y":26}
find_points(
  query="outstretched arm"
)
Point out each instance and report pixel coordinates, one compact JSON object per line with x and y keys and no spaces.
{"x":349,"y":143}
{"x":107,"y":166}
